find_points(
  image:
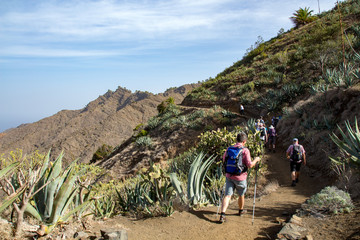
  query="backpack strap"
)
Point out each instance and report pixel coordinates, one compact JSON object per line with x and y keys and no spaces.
{"x":239,"y":151}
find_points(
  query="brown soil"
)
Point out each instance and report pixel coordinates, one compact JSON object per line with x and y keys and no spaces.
{"x":270,"y":211}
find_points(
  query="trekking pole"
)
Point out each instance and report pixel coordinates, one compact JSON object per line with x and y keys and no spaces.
{"x":253,"y":214}
{"x":221,"y":197}
{"x":256,"y":170}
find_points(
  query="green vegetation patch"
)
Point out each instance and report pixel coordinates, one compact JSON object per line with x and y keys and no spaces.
{"x":330,"y":200}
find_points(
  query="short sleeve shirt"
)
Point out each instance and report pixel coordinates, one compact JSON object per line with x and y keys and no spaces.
{"x":246,"y":160}
{"x":291,"y":147}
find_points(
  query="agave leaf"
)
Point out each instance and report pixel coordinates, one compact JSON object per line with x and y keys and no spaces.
{"x":66,"y":173}
{"x":62,"y":196}
{"x":192,"y":175}
{"x":77,"y":209}
{"x":148,"y":198}
{"x":177,"y":185}
{"x":8,"y":169}
{"x":51,"y":188}
{"x":45,"y":164}
{"x":201,"y":175}
{"x":44,"y":199}
{"x":31,"y":210}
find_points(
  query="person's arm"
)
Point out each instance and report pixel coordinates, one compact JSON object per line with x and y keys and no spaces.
{"x":224,"y":156}
{"x":288,"y":152}
{"x":304,"y":155}
{"x":253,"y":163}
{"x":266,"y":136}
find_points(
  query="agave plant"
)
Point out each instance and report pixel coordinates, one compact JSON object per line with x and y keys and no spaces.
{"x":251,"y":125}
{"x":42,"y":191}
{"x":350,"y":143}
{"x":55,"y":192}
{"x":196,"y":177}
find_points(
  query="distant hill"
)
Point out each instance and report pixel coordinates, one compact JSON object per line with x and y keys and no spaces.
{"x":109,"y":119}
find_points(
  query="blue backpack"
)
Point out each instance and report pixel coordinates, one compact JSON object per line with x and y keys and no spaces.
{"x":233,"y":161}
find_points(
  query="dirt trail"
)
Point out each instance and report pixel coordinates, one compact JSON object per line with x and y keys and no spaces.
{"x":202,"y":224}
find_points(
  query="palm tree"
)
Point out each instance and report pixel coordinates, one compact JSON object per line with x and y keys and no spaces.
{"x":302,"y":17}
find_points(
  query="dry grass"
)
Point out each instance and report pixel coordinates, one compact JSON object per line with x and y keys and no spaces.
{"x":272,"y":186}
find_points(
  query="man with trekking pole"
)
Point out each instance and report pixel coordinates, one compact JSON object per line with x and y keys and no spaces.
{"x":237,"y":160}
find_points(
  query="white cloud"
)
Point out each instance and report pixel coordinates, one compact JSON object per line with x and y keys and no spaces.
{"x":101,"y":19}
{"x":136,"y":24}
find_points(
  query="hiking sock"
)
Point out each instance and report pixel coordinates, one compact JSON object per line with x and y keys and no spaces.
{"x":242,"y":212}
{"x":222,"y":217}
{"x":297,"y":180}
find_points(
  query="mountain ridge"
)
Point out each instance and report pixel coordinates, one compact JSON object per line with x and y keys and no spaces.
{"x":109,"y":119}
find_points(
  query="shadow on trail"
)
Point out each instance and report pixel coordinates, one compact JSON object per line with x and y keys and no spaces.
{"x":206,"y":215}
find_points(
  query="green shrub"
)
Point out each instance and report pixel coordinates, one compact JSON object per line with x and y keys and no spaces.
{"x":330,"y":200}
{"x":153,"y":122}
{"x":164,"y":105}
{"x":144,"y":141}
{"x":228,"y":114}
{"x":101,"y":153}
{"x":197,"y":114}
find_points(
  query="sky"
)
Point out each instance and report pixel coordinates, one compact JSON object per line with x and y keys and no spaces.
{"x":62,"y":54}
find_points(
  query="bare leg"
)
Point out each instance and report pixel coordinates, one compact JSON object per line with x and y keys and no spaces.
{"x":293,"y":176}
{"x":225,"y":203}
{"x":241,"y":202}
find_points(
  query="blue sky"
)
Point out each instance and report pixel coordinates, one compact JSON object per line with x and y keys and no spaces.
{"x":62,"y":54}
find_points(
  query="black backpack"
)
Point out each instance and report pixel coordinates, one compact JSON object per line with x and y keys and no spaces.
{"x":233,"y":161}
{"x":262,"y":132}
{"x":296,"y":155}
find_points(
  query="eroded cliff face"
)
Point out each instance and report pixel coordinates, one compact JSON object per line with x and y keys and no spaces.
{"x":109,"y":119}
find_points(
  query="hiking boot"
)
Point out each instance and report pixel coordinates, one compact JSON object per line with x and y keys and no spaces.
{"x":297,"y":180}
{"x":242,"y":212}
{"x":293,"y":184}
{"x":222,"y":219}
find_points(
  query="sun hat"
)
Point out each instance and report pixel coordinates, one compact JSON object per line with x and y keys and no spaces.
{"x":295,"y":140}
{"x":271,"y":126}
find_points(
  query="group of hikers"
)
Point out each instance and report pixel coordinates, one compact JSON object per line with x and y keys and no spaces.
{"x":267,"y":136}
{"x":237,"y":161}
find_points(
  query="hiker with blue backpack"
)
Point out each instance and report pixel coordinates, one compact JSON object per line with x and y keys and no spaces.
{"x":296,"y":154}
{"x":237,"y":160}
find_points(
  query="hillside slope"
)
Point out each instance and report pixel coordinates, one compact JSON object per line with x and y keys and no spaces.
{"x":275,"y":78}
{"x":109,"y":119}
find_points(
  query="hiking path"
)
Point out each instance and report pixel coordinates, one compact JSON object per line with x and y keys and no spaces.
{"x":270,"y":211}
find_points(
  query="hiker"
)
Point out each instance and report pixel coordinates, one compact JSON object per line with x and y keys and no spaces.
{"x":274,"y":121}
{"x":257,"y":125}
{"x":234,"y":181}
{"x":296,"y":154}
{"x":263,"y":133}
{"x":272,"y":138}
{"x":241,"y":109}
{"x":262,"y":120}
